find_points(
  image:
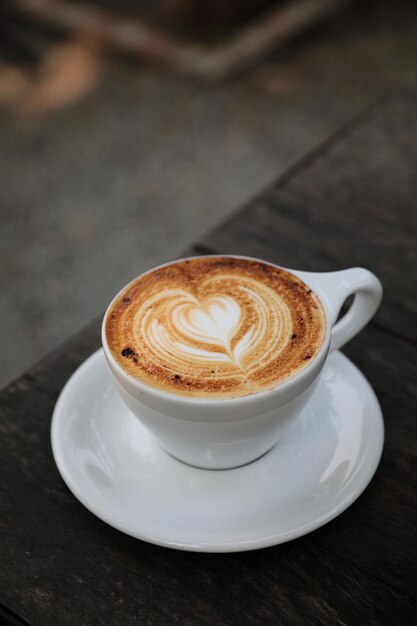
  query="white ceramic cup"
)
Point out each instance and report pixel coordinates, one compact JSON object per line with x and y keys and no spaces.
{"x":227,"y":433}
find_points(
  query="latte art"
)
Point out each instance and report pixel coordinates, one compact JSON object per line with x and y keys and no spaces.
{"x":221,"y":330}
{"x":215,"y":326}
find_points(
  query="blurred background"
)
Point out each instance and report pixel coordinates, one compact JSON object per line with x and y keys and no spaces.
{"x":128,"y":129}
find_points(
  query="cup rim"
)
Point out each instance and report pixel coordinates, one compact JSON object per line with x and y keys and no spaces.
{"x":281,"y":387}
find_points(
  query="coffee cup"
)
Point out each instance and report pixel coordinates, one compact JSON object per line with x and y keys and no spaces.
{"x":223,"y":433}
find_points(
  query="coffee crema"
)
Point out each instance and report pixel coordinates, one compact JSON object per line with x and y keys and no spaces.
{"x":215,"y":327}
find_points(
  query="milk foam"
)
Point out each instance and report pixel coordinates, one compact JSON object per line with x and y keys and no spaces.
{"x":190,"y":324}
{"x":197,"y":332}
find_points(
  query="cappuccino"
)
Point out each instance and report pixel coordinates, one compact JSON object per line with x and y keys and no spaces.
{"x":215,"y":327}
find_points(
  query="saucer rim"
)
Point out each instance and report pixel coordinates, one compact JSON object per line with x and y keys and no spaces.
{"x":209,"y":546}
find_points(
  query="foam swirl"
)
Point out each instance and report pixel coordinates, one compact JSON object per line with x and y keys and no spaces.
{"x":216,"y":326}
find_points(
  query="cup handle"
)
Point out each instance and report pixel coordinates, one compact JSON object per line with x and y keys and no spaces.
{"x":334,"y":287}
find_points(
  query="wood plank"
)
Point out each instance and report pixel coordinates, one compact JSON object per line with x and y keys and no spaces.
{"x":361,"y":568}
{"x":351,"y":203}
{"x":368,"y":166}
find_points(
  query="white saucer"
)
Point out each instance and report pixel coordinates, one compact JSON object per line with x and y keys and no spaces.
{"x":116,"y":469}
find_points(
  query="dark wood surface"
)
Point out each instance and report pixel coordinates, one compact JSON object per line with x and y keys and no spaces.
{"x":350,"y":202}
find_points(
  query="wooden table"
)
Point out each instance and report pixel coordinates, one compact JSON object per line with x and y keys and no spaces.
{"x":351,"y":202}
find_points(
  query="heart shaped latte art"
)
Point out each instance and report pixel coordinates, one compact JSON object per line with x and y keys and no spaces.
{"x":214,"y":332}
{"x":234,"y":335}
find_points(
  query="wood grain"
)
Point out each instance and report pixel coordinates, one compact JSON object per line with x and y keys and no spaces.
{"x":60,"y":552}
{"x":61,"y":565}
